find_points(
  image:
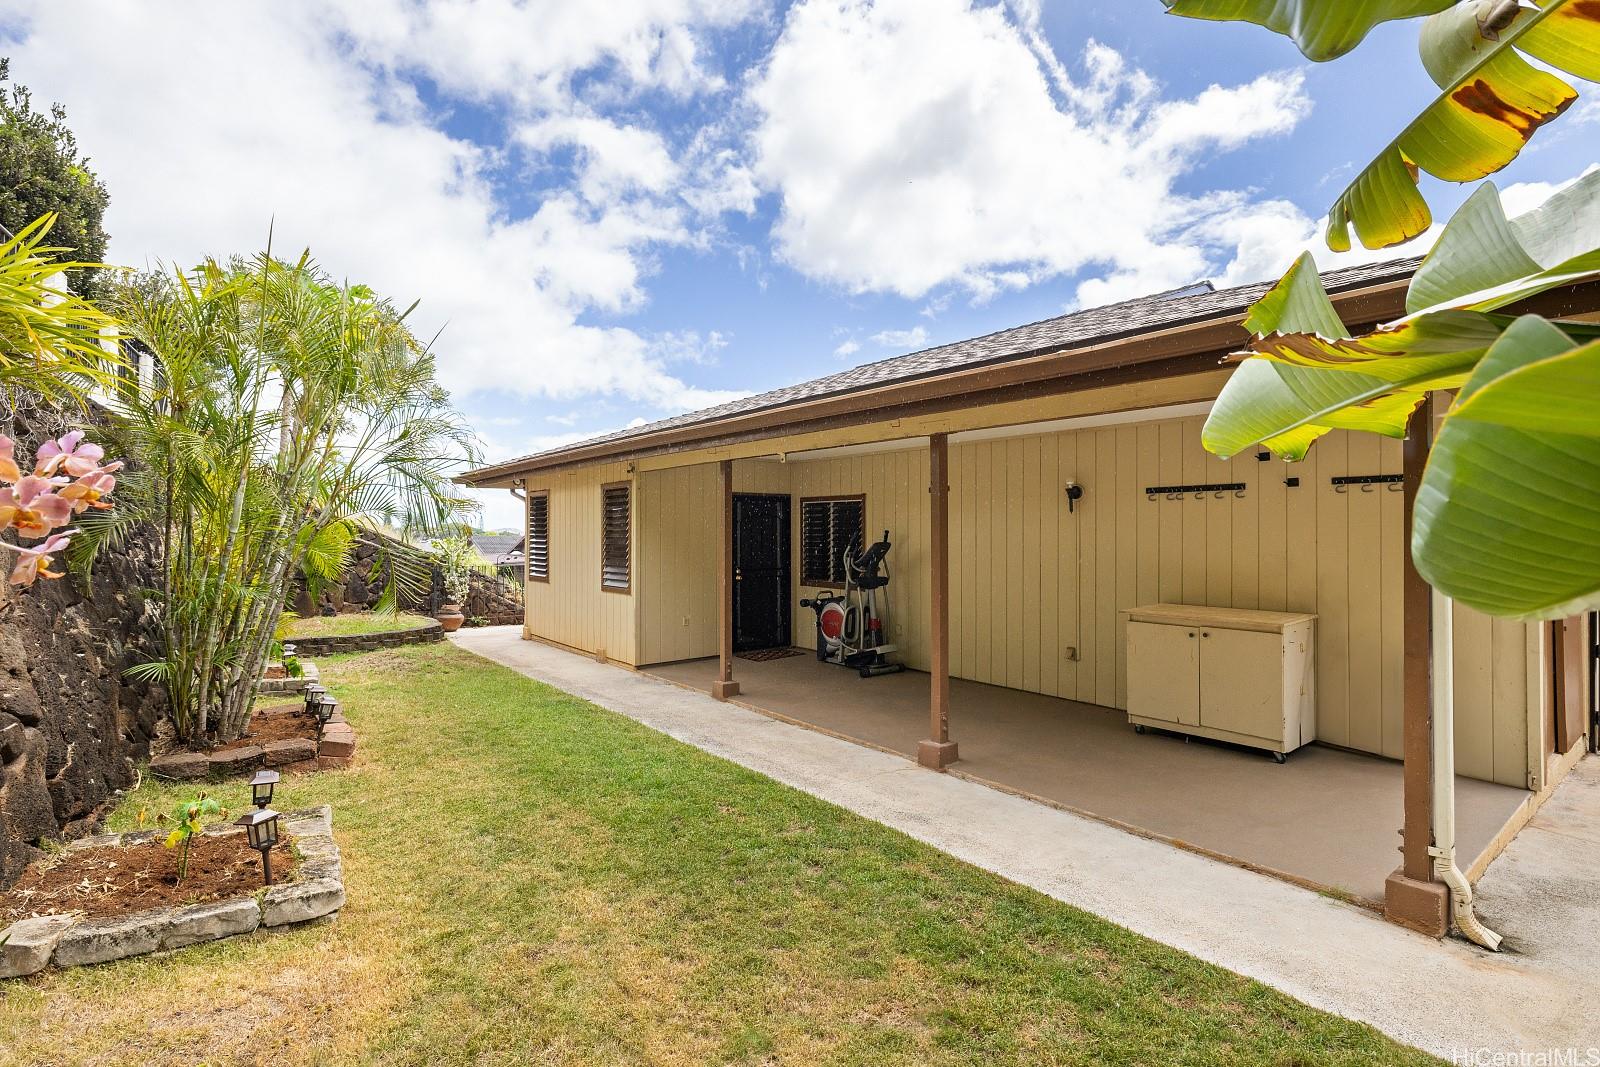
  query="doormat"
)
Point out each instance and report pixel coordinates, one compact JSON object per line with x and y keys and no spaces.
{"x":762,"y":655}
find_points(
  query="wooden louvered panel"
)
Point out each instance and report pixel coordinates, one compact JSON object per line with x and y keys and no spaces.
{"x":538,"y":543}
{"x":616,"y":523}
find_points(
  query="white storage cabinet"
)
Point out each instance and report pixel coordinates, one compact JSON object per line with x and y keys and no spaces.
{"x":1232,"y":674}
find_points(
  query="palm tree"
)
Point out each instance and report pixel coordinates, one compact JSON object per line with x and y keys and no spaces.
{"x":292,"y":411}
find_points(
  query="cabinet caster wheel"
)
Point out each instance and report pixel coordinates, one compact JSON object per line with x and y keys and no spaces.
{"x":1278,"y":757}
{"x":1138,"y":728}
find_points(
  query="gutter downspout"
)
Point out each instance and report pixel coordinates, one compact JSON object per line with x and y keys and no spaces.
{"x":1444,"y":780}
{"x":518,"y":489}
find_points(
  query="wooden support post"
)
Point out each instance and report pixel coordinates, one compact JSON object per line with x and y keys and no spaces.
{"x":1412,"y":897}
{"x":725,"y":687}
{"x":938,"y":752}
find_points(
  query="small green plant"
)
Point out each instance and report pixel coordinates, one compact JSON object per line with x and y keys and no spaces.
{"x":456,"y":556}
{"x":187,"y":816}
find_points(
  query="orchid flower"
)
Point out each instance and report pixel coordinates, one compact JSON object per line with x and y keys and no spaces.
{"x":9,"y":471}
{"x":88,"y":490}
{"x":70,"y":453}
{"x":32,"y":507}
{"x":34,"y":562}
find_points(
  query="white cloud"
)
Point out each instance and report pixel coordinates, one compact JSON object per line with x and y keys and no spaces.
{"x":688,"y":346}
{"x":922,"y":143}
{"x":1268,"y":237}
{"x":1522,"y":197}
{"x":847,"y":349}
{"x":530,"y":51}
{"x":300,"y":117}
{"x":915,"y":337}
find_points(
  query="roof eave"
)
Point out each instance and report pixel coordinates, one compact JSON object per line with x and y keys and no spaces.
{"x":1375,"y":301}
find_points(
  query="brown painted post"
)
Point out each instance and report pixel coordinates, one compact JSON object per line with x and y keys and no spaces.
{"x":938,"y":752}
{"x":725,"y":687}
{"x":1411,"y":895}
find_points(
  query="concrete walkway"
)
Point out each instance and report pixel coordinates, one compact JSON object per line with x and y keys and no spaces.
{"x":1446,"y":998}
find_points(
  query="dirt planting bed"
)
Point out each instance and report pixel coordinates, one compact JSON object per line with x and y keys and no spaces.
{"x":116,"y":895}
{"x":95,"y":882}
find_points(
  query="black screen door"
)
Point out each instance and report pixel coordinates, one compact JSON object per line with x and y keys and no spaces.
{"x":760,"y":571}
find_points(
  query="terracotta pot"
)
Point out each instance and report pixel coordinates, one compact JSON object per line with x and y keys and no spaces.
{"x":450,"y":617}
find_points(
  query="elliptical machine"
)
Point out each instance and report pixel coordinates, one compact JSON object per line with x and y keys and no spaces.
{"x":850,"y":625}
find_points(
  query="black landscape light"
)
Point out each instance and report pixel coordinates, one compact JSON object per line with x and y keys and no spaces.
{"x":261,"y":787}
{"x":326,"y":707}
{"x":261,"y":828}
{"x":313,"y":693}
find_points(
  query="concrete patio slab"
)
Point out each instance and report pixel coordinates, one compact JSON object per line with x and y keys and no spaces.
{"x":1325,"y":817}
{"x":1445,"y":997}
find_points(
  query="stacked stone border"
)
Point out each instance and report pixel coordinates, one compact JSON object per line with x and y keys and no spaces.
{"x":337,"y":747}
{"x":321,"y":646}
{"x":31,"y":945}
{"x":279,"y":686}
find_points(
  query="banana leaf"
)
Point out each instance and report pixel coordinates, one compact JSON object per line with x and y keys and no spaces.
{"x":1481,"y":119}
{"x":1508,"y":512}
{"x":1321,"y":29}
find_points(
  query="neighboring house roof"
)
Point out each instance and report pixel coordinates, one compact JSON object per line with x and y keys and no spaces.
{"x":497,"y":547}
{"x":1193,"y":303}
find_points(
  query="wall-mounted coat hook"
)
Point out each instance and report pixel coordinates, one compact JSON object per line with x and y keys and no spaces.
{"x":1366,"y":487}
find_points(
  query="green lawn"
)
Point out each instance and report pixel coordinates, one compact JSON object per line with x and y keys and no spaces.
{"x":534,"y":880}
{"x":355,"y":625}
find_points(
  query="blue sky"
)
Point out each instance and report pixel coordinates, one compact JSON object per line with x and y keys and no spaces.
{"x":618,"y":211}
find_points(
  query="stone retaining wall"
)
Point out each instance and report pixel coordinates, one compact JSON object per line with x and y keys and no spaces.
{"x":321,"y":646}
{"x":317,"y":891}
{"x":73,"y":723}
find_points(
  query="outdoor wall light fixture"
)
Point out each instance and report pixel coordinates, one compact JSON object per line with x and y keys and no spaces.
{"x":1074,"y":494}
{"x":261,"y":829}
{"x":261,"y":787}
{"x":313,"y":695}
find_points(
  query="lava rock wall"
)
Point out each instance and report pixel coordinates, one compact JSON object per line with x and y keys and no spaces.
{"x":72,"y":725}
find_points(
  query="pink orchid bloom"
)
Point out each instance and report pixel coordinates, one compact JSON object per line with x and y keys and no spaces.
{"x":87,"y":491}
{"x":35,"y":562}
{"x":32,"y":507}
{"x":9,"y":471}
{"x":69,"y":453}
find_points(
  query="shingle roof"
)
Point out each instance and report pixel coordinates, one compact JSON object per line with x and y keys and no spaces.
{"x":1127,"y":318}
{"x":494,"y":546}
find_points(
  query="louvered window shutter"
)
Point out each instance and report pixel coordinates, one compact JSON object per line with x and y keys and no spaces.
{"x":827,"y":529}
{"x":615,"y":528}
{"x":538,"y":545}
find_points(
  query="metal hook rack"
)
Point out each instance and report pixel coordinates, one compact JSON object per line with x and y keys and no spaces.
{"x":1178,"y":492}
{"x":1342,"y":483}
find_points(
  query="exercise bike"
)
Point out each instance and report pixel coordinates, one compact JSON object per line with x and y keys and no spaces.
{"x":850,"y":625}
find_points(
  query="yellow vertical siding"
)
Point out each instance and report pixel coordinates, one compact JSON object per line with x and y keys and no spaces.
{"x":1037,"y":591}
{"x":571,"y":608}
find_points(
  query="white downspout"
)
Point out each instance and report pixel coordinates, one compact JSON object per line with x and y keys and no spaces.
{"x":1444,"y":779}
